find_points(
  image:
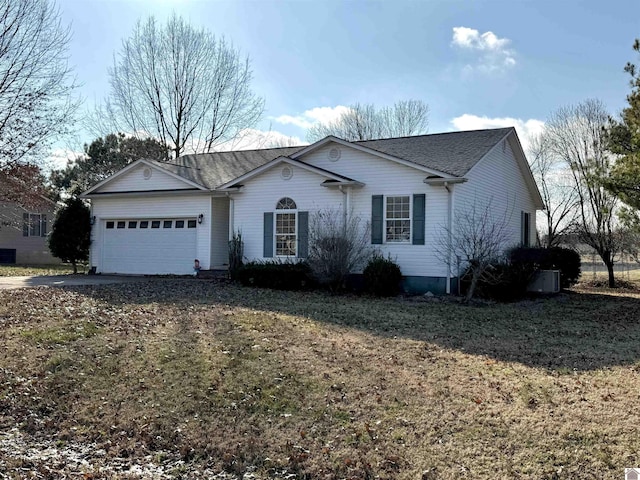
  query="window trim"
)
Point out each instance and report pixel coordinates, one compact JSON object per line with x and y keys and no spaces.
{"x":384,"y":220}
{"x":285,"y":211}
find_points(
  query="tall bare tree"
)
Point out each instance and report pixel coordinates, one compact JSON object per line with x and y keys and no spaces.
{"x":558,"y":190}
{"x":577,"y":135}
{"x":181,"y":85}
{"x":367,"y":122}
{"x":36,"y":90}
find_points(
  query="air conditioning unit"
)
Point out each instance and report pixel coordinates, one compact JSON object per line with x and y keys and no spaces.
{"x":545,"y":281}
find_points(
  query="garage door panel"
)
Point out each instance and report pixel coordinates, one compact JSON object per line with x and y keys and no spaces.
{"x":149,"y":250}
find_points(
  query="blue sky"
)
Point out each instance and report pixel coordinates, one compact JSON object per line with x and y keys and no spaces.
{"x":477,"y":64}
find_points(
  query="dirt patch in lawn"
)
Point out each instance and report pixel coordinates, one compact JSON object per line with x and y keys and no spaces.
{"x":195,"y":378}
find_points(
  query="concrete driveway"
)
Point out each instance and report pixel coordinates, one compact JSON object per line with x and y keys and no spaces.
{"x":8,"y":283}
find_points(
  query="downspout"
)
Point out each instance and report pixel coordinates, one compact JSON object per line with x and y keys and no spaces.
{"x":345,"y":207}
{"x":449,"y":233}
{"x":231,"y":217}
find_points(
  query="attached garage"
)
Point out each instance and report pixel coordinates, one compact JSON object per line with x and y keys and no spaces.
{"x":149,"y":245}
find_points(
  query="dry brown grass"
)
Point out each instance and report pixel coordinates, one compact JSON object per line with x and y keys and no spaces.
{"x":230,"y":378}
{"x":28,"y":270}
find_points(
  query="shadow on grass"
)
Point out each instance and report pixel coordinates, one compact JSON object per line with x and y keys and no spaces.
{"x":575,"y":331}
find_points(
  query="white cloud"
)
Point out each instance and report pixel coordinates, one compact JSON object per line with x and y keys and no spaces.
{"x":525,"y":128}
{"x":494,"y":52}
{"x":59,"y":157}
{"x":310,"y":117}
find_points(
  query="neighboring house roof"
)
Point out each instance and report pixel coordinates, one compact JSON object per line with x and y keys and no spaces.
{"x":454,"y":153}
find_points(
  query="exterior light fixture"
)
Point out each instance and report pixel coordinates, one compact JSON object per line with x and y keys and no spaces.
{"x":200,"y":218}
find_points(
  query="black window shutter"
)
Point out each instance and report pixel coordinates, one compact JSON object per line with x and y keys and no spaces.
{"x":43,"y":226}
{"x":522,"y":240}
{"x":25,"y":224}
{"x":303,"y":234}
{"x":268,"y":235}
{"x":418,"y":219}
{"x":377,"y":206}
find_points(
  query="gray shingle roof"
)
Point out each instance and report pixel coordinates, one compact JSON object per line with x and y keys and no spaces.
{"x":454,"y":153}
{"x":214,"y":169}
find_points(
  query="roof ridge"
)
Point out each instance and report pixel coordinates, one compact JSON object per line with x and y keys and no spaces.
{"x":433,"y":134}
{"x":247,"y":150}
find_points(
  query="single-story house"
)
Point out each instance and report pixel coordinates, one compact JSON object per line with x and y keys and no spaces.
{"x":156,"y":218}
{"x":23,"y":233}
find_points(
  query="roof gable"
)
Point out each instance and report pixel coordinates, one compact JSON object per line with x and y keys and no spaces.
{"x":363,"y":148}
{"x":212,"y":170}
{"x":142,"y":176}
{"x":333,"y":177}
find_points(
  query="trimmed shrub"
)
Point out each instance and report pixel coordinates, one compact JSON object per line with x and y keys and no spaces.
{"x":503,"y":281}
{"x":508,"y":280}
{"x":276,"y":275}
{"x":382,"y":277}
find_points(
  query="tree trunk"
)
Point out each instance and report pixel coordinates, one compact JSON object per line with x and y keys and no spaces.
{"x":472,"y":288}
{"x":612,"y":280}
{"x":75,"y":267}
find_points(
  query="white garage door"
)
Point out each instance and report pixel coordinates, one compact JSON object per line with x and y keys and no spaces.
{"x":149,"y":246}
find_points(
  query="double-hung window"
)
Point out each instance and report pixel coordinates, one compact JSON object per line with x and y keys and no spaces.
{"x":34,"y":225}
{"x":398,"y":219}
{"x":286,"y":213}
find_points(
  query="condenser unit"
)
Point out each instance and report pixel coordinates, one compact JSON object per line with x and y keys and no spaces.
{"x":545,"y":281}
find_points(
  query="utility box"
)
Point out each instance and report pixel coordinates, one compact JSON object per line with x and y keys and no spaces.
{"x":545,"y":281}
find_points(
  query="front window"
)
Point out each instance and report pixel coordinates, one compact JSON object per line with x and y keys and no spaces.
{"x":286,"y":227}
{"x":398,"y":219}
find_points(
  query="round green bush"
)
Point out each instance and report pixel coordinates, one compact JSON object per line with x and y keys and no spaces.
{"x":382,"y":277}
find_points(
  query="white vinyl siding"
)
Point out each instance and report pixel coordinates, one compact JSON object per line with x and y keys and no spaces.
{"x":387,"y":178}
{"x":262,"y":193}
{"x":497,"y":182}
{"x":134,"y":181}
{"x":380,"y":176}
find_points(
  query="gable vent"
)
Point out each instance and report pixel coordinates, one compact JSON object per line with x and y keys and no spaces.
{"x":146,"y":173}
{"x":287,"y":172}
{"x":334,"y":154}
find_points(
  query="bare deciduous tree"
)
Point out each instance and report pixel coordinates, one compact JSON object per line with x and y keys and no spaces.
{"x":577,"y":135}
{"x":36,"y":87}
{"x":181,"y":85}
{"x":339,"y":244}
{"x":476,"y":241}
{"x":366,"y":122}
{"x":559,"y":193}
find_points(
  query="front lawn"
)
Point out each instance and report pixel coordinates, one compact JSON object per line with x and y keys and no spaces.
{"x":189,"y":378}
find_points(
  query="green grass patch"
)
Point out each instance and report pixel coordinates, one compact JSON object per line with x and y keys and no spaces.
{"x":62,"y":334}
